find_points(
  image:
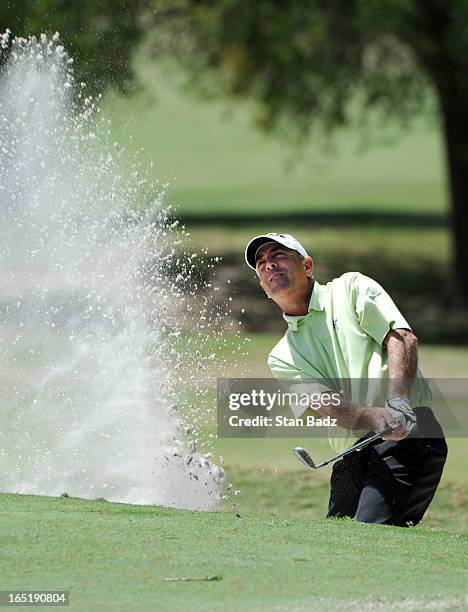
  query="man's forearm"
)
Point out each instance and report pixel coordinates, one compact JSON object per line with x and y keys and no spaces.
{"x":348,"y":415}
{"x":402,"y":348}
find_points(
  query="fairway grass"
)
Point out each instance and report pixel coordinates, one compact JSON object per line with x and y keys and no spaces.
{"x":436,"y":361}
{"x":278,"y":554}
{"x":324,"y":241}
{"x":216,"y":160}
{"x":300,"y":493}
{"x":122,"y":557}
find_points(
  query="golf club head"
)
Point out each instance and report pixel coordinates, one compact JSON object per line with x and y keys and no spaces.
{"x":304,"y":457}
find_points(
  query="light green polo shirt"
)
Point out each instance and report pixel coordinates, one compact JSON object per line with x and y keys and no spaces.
{"x":341,"y":337}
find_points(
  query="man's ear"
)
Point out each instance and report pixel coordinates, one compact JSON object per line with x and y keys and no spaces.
{"x":308,"y":265}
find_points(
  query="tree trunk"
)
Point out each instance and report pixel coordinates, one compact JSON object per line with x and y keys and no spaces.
{"x":433,"y":39}
{"x":454,"y":109}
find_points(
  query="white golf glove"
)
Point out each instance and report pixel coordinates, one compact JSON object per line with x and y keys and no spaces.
{"x":400,"y":409}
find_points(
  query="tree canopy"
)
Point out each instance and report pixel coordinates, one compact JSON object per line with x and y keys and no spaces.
{"x":304,"y":62}
{"x":99,"y":34}
{"x":301,"y":61}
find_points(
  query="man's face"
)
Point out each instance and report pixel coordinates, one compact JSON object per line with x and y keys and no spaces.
{"x":282,"y":272}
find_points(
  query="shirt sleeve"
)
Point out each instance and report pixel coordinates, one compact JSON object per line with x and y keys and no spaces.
{"x":283,"y":369}
{"x":302,"y":393}
{"x":375,"y":309}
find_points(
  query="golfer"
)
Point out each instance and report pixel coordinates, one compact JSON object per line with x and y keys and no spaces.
{"x":351,"y":329}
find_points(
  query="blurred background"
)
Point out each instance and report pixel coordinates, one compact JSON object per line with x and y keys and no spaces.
{"x":342,"y":122}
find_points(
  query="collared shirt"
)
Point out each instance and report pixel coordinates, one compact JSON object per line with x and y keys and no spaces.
{"x":341,"y":337}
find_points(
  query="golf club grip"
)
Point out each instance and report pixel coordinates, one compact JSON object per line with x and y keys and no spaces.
{"x":374,"y":437}
{"x":366,"y":441}
{"x":384,"y":432}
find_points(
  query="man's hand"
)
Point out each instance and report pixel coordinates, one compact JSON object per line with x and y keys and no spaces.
{"x":399,"y":407}
{"x":397,"y":415}
{"x":378,"y":419}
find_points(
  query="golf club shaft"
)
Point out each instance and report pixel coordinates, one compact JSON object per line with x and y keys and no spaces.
{"x":357,"y":447}
{"x":307,"y":460}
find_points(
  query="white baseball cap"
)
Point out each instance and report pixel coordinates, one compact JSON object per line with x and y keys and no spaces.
{"x":285,"y":239}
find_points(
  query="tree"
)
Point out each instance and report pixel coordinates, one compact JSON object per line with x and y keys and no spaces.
{"x":99,"y":34}
{"x":303,"y":62}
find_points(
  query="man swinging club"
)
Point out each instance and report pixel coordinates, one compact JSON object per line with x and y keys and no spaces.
{"x":351,"y":329}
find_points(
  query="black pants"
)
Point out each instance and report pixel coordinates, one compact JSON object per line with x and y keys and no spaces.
{"x":388,"y":482}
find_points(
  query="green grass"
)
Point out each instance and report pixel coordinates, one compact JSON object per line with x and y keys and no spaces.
{"x":268,"y":548}
{"x":435,"y":361}
{"x":117,"y":557}
{"x":217,"y":162}
{"x":411,"y":261}
{"x":304,"y":494}
{"x":280,"y":553}
{"x":322,"y":241}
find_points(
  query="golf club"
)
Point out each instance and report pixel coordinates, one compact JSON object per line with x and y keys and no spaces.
{"x":307,"y":460}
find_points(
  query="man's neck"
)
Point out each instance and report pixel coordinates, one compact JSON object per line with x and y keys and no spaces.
{"x":298,"y":306}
